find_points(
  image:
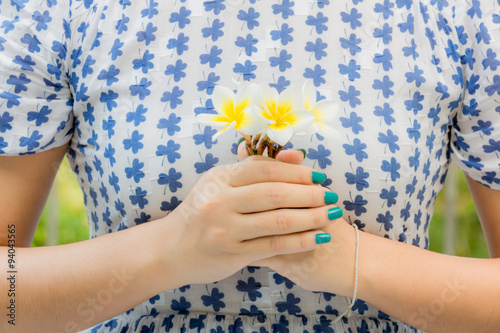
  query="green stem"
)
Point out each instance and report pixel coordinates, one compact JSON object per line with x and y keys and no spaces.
{"x":262,"y":145}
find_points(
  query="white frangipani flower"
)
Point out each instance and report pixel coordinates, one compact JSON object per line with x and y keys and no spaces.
{"x":238,"y":111}
{"x":284,"y":113}
{"x":325,"y":112}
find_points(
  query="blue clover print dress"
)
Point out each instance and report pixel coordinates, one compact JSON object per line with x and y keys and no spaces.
{"x":122,"y":81}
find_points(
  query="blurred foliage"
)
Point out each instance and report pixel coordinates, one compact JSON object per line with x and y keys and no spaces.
{"x":469,"y":239}
{"x":72,"y":220}
{"x":66,"y":209}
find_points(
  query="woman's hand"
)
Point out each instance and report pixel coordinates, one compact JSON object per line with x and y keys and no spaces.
{"x":329,"y":268}
{"x":241,"y":213}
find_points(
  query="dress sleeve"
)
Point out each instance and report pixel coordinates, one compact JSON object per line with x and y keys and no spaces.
{"x":475,"y":140}
{"x":35,"y":96}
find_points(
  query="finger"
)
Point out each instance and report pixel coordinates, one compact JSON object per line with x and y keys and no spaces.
{"x":285,"y":244}
{"x":269,"y":196}
{"x":287,"y":221}
{"x":269,"y":170}
{"x":292,"y":156}
{"x":243,"y":152}
{"x":265,"y":262}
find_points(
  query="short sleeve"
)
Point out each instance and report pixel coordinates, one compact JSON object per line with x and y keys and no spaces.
{"x":475,"y":140}
{"x":35,"y":97}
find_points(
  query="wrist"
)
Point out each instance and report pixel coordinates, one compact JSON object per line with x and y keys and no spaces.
{"x":349,"y":246}
{"x":337,"y":260}
{"x":160,"y":259}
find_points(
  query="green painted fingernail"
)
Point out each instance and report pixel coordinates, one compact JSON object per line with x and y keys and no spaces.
{"x":240,"y":140}
{"x":331,"y":198}
{"x":335,"y":213}
{"x":323,"y":238}
{"x":318,"y":177}
{"x":303,"y":152}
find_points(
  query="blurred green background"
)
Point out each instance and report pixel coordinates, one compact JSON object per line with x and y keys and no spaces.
{"x":67,"y":208}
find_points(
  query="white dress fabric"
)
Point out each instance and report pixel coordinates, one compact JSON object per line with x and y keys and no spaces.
{"x":122,"y":80}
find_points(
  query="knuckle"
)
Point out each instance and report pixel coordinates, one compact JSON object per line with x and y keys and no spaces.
{"x":283,"y":222}
{"x":314,"y":196}
{"x":216,"y":235}
{"x":211,"y":174}
{"x":275,"y":194}
{"x":303,"y":242}
{"x":276,"y":244}
{"x":305,"y":176}
{"x":270,"y":172}
{"x":317,"y":218}
{"x":218,"y":174}
{"x":208,"y":205}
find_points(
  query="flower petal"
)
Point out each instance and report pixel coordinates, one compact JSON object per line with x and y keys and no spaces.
{"x":314,"y":128}
{"x":309,"y":94}
{"x":264,"y":116}
{"x":249,"y":91}
{"x":269,"y":98}
{"x":329,"y":131}
{"x":212,"y":119}
{"x":251,"y":123}
{"x":290,"y":99}
{"x":223,"y":101}
{"x":325,"y":109}
{"x":280,"y":134}
{"x":224,"y":130}
{"x":300,"y":119}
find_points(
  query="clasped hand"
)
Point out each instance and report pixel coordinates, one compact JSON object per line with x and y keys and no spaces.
{"x":256,"y":212}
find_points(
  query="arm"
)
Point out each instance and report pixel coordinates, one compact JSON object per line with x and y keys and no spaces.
{"x":20,"y":179}
{"x":436,"y":292}
{"x":75,"y":286}
{"x":487,"y":202}
{"x":58,"y":288}
{"x":430,"y":291}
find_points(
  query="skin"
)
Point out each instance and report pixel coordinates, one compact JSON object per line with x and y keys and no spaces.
{"x":431,"y":291}
{"x":428,"y":290}
{"x":71,"y":287}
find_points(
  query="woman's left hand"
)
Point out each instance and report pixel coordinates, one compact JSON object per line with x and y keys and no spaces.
{"x":329,"y":268}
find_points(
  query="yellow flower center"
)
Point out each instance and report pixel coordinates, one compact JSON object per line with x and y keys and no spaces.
{"x":280,"y":113}
{"x":231,"y":112}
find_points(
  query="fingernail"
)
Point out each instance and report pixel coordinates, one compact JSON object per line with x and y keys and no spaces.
{"x":303,"y":152}
{"x":331,"y":198}
{"x":323,"y":238}
{"x":335,"y":213}
{"x":318,"y":177}
{"x":240,"y":140}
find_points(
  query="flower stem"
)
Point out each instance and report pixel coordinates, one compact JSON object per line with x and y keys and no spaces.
{"x":270,"y":149}
{"x":249,"y":150}
{"x":248,"y":145}
{"x":248,"y":139}
{"x":278,"y":150}
{"x":262,"y":145}
{"x":256,"y":139}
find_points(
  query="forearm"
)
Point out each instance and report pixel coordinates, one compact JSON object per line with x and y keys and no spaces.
{"x":71,"y":287}
{"x":431,"y":291}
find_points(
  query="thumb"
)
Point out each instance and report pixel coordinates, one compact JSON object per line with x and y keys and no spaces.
{"x":292,"y":156}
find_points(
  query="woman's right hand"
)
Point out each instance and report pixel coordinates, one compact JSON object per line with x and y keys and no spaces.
{"x":240,"y":213}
